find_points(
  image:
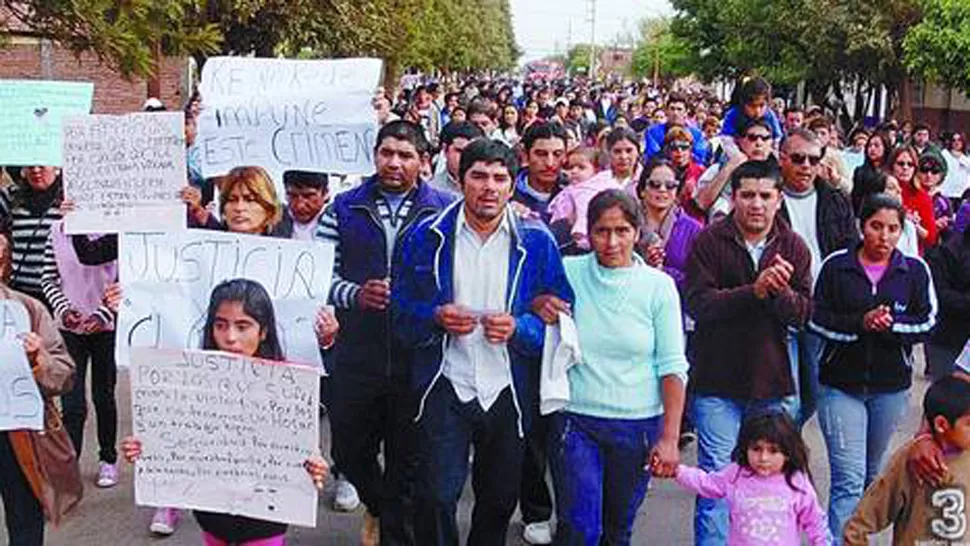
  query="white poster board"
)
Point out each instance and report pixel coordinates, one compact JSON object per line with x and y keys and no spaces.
{"x":168,"y":278}
{"x":286,"y":114}
{"x":31,"y":112}
{"x":124,"y":172}
{"x":21,"y":405}
{"x":225,"y":433}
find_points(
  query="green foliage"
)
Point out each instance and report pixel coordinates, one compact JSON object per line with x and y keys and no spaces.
{"x":121,"y":34}
{"x":938,"y":47}
{"x":577,"y":59}
{"x":660,"y":49}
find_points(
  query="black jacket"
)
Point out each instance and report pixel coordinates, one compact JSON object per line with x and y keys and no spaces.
{"x":856,"y":360}
{"x":834,"y":221}
{"x":950,"y":264}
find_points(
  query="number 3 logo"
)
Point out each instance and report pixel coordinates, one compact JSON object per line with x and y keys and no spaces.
{"x":953,"y":523}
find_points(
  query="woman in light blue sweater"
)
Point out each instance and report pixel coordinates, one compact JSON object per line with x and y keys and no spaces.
{"x":627,"y":394}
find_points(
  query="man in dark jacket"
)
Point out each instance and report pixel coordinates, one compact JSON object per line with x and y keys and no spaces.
{"x":544,"y":144}
{"x":370,"y":400}
{"x":824,"y":218}
{"x":748,"y":283}
{"x":463,"y":306}
{"x":950,"y":264}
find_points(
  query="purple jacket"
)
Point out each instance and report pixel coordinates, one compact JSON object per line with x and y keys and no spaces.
{"x":682,"y":232}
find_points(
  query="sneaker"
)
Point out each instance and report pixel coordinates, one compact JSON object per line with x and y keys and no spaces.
{"x":370,"y":533}
{"x":346,"y":499}
{"x":165,"y":521}
{"x":538,"y":533}
{"x":107,"y":475}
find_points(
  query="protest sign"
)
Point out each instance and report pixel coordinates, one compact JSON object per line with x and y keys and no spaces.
{"x":284,"y":114}
{"x":225,"y":433}
{"x":124,"y":172}
{"x":168,"y":278}
{"x":21,"y":405}
{"x":32,"y":110}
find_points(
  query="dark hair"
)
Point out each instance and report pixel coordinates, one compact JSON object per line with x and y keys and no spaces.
{"x":608,"y":199}
{"x":948,"y":397}
{"x":752,"y":88}
{"x":757,"y":170}
{"x":619,"y":134}
{"x":256,"y":303}
{"x":921,"y":126}
{"x":793,"y":109}
{"x":875,"y":202}
{"x":306,"y":179}
{"x":404,"y":130}
{"x":821,"y":122}
{"x":542,"y":130}
{"x":676,"y":97}
{"x":759,"y":122}
{"x":886,"y":149}
{"x":486,"y":150}
{"x":460,"y":129}
{"x":898,"y":151}
{"x":776,"y":428}
{"x":480,"y":105}
{"x":654,"y":164}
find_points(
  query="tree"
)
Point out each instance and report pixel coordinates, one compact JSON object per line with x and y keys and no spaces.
{"x":123,"y":35}
{"x":661,"y":53}
{"x":938,"y":47}
{"x":577,"y":59}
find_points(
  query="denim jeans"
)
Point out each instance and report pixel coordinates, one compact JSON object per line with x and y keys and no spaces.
{"x":22,"y":512}
{"x":99,"y":350}
{"x":857,"y":429}
{"x":447,"y":430}
{"x":718,"y":421}
{"x":809,"y":349}
{"x":598,"y":473}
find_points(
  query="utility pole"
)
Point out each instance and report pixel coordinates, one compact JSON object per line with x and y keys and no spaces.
{"x":592,"y":40}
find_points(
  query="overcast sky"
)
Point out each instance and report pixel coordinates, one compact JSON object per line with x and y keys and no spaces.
{"x":542,"y":27}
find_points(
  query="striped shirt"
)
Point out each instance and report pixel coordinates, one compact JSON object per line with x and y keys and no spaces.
{"x":343,"y":293}
{"x":30,"y":232}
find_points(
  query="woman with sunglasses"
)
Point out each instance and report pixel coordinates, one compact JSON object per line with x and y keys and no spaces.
{"x":932,"y":172}
{"x":904,"y":162}
{"x":678,"y":146}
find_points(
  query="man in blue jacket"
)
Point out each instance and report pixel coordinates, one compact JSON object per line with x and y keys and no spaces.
{"x":461,"y":306}
{"x":370,"y":401}
{"x":676,"y":115}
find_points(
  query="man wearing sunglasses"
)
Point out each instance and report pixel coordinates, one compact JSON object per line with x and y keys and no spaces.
{"x":677,"y":114}
{"x":822,"y":216}
{"x":713,"y":192}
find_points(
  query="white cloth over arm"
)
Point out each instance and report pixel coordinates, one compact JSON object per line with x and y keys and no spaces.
{"x":560,"y":352}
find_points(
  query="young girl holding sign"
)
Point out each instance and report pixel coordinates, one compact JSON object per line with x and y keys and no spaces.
{"x":241,"y":321}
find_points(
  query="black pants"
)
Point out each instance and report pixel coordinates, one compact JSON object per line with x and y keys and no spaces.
{"x":22,"y":511}
{"x":100,"y":350}
{"x":447,"y":430}
{"x":535,"y":500}
{"x":940,"y":359}
{"x":368,"y":409}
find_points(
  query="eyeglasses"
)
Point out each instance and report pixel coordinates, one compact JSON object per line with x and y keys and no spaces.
{"x":930,"y":169}
{"x":757,"y":138}
{"x":800,"y":159}
{"x":662,"y":184}
{"x":905,"y":164}
{"x":678,"y":147}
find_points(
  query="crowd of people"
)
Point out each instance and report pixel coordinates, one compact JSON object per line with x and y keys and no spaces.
{"x":714,"y":273}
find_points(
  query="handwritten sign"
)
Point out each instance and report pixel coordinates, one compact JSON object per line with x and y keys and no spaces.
{"x":167,"y":279}
{"x":21,"y":405}
{"x":225,"y":433}
{"x":32,"y":110}
{"x":284,"y":114}
{"x":124,"y":171}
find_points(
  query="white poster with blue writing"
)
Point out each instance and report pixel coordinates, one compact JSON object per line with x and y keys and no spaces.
{"x":169,"y":282}
{"x":287,"y":114}
{"x":21,"y":405}
{"x":225,"y":433}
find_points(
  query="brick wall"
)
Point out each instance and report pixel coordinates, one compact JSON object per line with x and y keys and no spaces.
{"x":24,"y":58}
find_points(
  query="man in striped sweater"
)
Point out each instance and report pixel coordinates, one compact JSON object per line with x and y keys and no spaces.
{"x":28,"y":208}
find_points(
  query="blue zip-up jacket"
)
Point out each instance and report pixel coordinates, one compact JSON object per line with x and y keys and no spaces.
{"x":654,"y":142}
{"x":424,"y":281}
{"x":353,"y":223}
{"x":857,"y":360}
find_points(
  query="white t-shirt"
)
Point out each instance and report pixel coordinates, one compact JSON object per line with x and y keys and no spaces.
{"x":802,"y":211}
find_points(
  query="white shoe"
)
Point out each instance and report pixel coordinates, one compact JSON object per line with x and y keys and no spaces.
{"x":346,"y":499}
{"x":538,"y":533}
{"x":165,"y":521}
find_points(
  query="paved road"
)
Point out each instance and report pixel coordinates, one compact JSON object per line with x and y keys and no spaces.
{"x":109,"y":517}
